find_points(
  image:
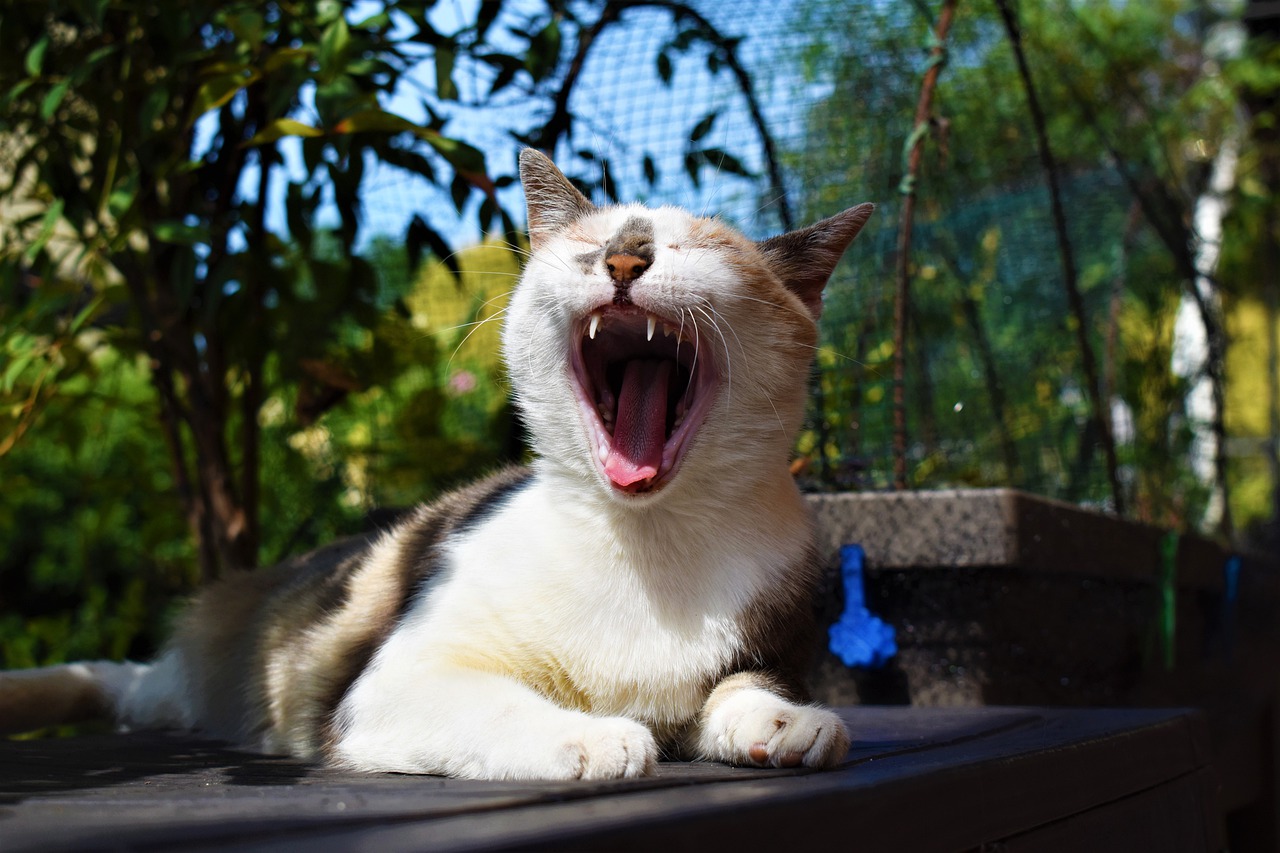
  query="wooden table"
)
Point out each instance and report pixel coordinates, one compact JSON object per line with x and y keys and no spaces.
{"x":917,"y":779}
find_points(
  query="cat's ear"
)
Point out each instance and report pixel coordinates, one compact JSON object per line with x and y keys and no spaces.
{"x":553,"y":202}
{"x":804,"y":259}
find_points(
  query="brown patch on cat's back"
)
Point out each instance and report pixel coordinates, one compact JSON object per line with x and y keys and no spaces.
{"x":221,"y":634}
{"x":388,"y":584}
{"x":273,"y":651}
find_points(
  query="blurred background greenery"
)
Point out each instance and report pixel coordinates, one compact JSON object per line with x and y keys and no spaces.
{"x":254,"y":256}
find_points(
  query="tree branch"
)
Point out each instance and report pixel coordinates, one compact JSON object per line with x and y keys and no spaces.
{"x":1099,"y":413}
{"x":902,"y":292}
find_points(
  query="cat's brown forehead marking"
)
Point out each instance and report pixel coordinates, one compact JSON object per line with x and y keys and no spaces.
{"x":588,"y":261}
{"x":634,"y":238}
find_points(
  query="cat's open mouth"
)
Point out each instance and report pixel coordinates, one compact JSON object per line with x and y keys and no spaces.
{"x":644,"y":384}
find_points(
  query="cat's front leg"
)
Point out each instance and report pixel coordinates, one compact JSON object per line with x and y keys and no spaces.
{"x":745,"y":721}
{"x":479,"y":725}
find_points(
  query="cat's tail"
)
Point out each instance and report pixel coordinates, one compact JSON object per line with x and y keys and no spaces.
{"x":133,"y":695}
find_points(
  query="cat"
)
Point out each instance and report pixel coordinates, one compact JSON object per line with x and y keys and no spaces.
{"x":643,"y":589}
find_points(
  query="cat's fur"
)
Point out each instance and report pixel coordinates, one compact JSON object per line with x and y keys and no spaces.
{"x":579,"y":618}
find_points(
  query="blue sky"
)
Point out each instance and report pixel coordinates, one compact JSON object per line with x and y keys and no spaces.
{"x":624,"y":109}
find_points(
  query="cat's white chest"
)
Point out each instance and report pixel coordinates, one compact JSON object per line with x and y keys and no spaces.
{"x":588,"y":621}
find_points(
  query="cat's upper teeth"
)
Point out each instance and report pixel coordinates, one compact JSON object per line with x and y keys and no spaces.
{"x":652,"y":323}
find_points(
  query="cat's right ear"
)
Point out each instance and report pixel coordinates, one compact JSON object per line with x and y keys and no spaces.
{"x":804,"y":259}
{"x":553,"y":202}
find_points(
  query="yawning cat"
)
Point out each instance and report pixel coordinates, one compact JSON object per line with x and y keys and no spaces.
{"x":643,"y":589}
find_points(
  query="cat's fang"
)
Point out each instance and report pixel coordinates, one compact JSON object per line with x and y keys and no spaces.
{"x":653,"y":323}
{"x":595,"y":324}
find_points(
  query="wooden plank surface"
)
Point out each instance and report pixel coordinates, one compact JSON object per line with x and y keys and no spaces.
{"x":916,"y":778}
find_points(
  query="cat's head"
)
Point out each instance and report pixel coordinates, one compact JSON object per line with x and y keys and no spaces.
{"x":651,"y":350}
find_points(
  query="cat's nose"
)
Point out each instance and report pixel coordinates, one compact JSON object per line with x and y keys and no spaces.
{"x":624,"y":269}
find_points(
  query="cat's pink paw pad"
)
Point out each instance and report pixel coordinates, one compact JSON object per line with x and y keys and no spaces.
{"x":760,"y":729}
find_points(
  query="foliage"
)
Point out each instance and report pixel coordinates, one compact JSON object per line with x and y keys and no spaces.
{"x":994,"y":378}
{"x":142,"y":140}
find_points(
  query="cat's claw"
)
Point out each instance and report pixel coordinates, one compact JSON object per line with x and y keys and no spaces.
{"x":756,"y":728}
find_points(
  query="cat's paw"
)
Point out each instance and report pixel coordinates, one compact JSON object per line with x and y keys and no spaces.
{"x":608,"y":748}
{"x":756,"y":728}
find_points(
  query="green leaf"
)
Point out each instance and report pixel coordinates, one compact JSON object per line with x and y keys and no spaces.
{"x":460,"y":191}
{"x":328,"y":10}
{"x":410,"y":161}
{"x":340,"y":97}
{"x":179,"y":233}
{"x":15,"y":93}
{"x":14,"y":370}
{"x":664,"y":67}
{"x":692,"y":162}
{"x":47,"y":224}
{"x":86,"y":313}
{"x":723,"y":161}
{"x":123,"y":195}
{"x":444,"y":252}
{"x":247,"y":26}
{"x":333,"y":47}
{"x":281,"y":128}
{"x":376,"y":22}
{"x":544,"y":51}
{"x":97,"y":56}
{"x":446,"y":89}
{"x":218,"y":90}
{"x":35,"y":56}
{"x":703,"y":127}
{"x":460,"y":155}
{"x":377,"y":121}
{"x":152,"y":106}
{"x":286,"y":56}
{"x":53,"y":98}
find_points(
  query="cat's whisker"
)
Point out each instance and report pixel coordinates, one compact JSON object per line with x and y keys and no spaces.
{"x":474,"y":323}
{"x":541,"y":258}
{"x":742,"y":351}
{"x":800,"y":313}
{"x":728,"y":358}
{"x":475,"y":327}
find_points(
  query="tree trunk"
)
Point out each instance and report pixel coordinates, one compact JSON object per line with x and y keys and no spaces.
{"x":1200,"y":346}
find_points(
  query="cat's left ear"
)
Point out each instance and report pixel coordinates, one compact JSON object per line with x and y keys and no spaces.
{"x":804,"y":259}
{"x":553,"y":202}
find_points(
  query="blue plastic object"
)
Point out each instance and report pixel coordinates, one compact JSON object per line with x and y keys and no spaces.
{"x":1231,"y":593}
{"x":859,"y":638}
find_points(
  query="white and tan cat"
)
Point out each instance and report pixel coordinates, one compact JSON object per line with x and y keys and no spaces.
{"x":643,"y":589}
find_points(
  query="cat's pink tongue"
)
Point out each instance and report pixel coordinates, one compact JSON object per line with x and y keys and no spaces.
{"x":641,"y":423}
